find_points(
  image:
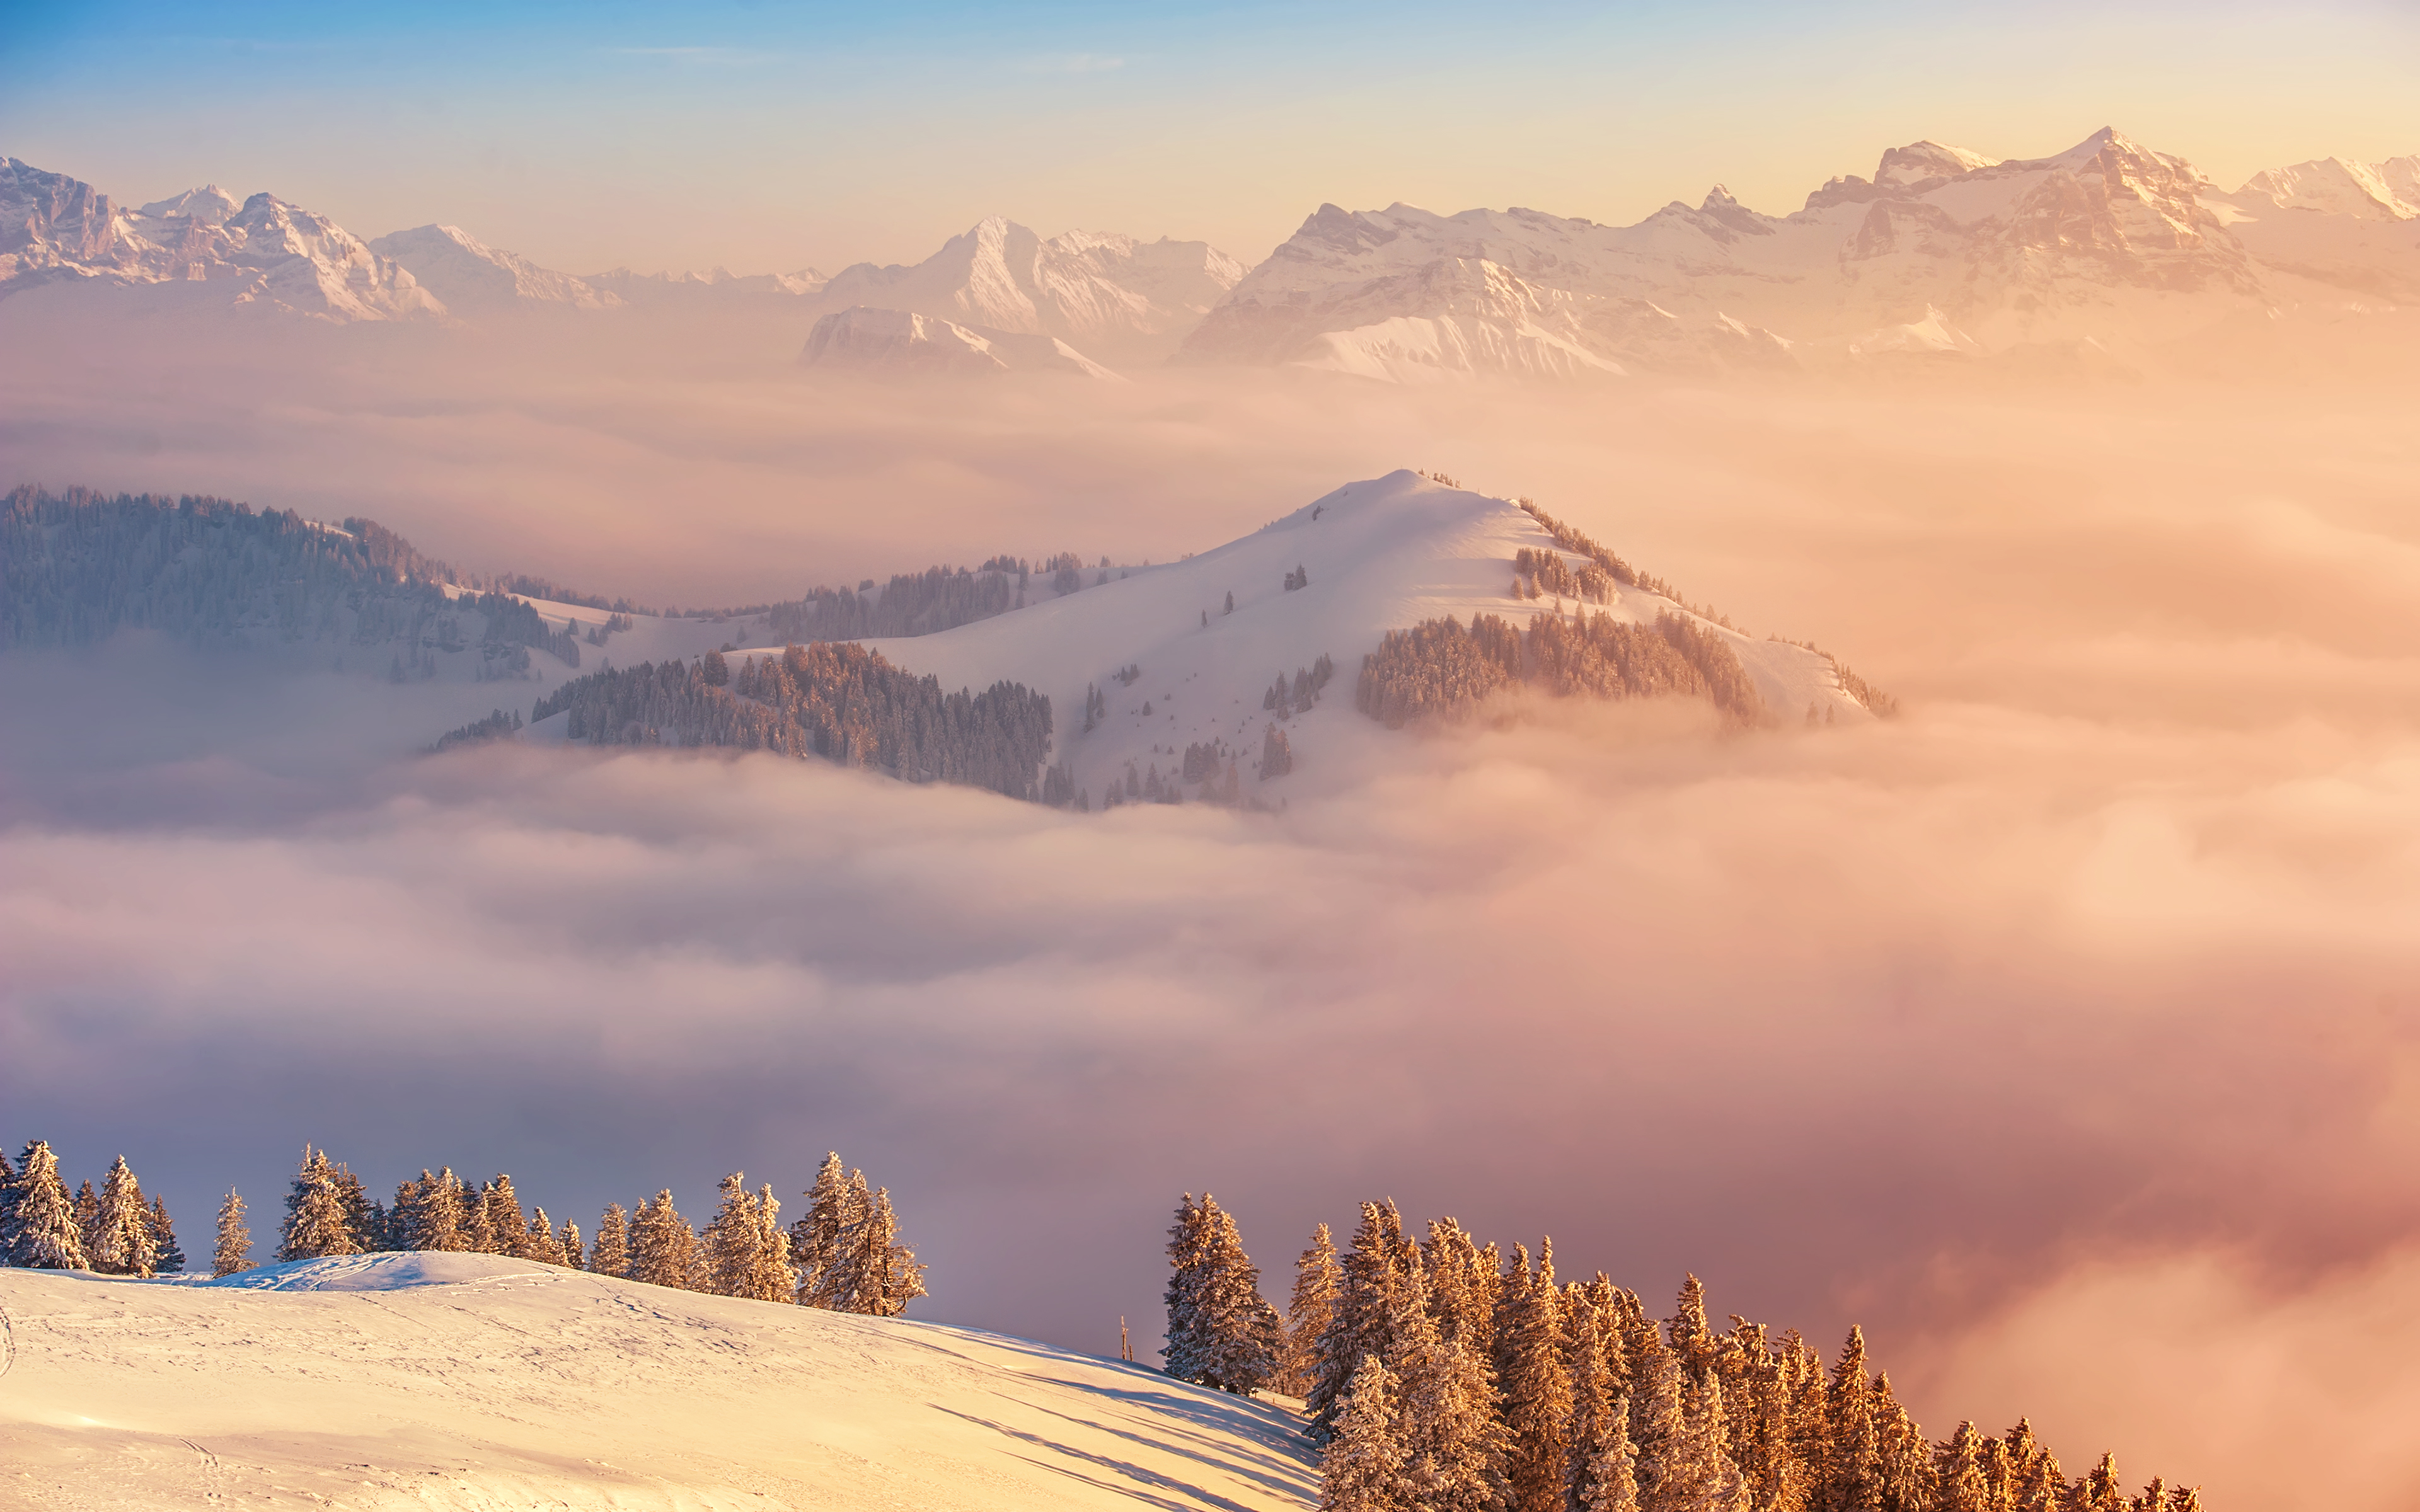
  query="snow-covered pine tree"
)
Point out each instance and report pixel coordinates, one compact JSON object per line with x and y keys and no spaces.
{"x":233,"y":1250}
{"x":815,"y":1238}
{"x":1656,"y":1420}
{"x":1693,"y":1342}
{"x":1595,"y":1388}
{"x":772,"y":1279}
{"x":727,"y":1250}
{"x":120,"y":1242}
{"x":888,"y":1275}
{"x":500,"y":1225}
{"x":1537,"y":1390}
{"x":2036,"y":1482}
{"x":1454,"y":1446}
{"x":1463,"y":1283}
{"x":315,"y":1213}
{"x":540,"y":1242}
{"x":88,"y":1219}
{"x":2099,"y":1491}
{"x":1221,"y":1333}
{"x":1361,"y":1468}
{"x":1307,"y":1313}
{"x":1902,"y":1457}
{"x":171,"y":1256}
{"x":1698,"y":1474}
{"x":1371,"y":1271}
{"x":1852,"y":1457}
{"x":663,"y":1247}
{"x":575,"y":1253}
{"x":43,"y":1232}
{"x":611,"y":1254}
{"x":1959,"y":1474}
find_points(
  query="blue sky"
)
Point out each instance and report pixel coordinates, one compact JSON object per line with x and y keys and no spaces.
{"x":770,"y":135}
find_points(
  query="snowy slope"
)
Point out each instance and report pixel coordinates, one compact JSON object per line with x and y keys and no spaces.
{"x":470,"y":275}
{"x":475,"y":1381}
{"x":2107,"y":241}
{"x":264,"y":254}
{"x":1382,"y":554}
{"x":896,"y":342}
{"x":1112,"y":295}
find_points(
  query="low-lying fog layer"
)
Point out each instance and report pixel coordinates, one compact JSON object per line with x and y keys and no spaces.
{"x":2064,"y":1032}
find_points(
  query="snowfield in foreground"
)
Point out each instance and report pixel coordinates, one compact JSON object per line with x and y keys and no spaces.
{"x":481,"y":1382}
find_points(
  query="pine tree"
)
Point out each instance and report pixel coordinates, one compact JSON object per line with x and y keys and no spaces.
{"x":1657,"y":1422}
{"x":886,"y":1274}
{"x":171,"y":1260}
{"x":1959,"y":1475}
{"x":121,"y":1241}
{"x":8,"y":1202}
{"x":574,"y":1252}
{"x":743,"y":1253}
{"x":500,"y":1225}
{"x":1693,"y":1341}
{"x":540,"y":1243}
{"x":42,"y":1231}
{"x":88,"y":1219}
{"x":1537,"y":1388}
{"x":2099,"y":1491}
{"x":1455,"y":1448}
{"x":1374,"y":1270}
{"x":2035,"y":1481}
{"x":234,"y":1251}
{"x":1595,"y":1389}
{"x":611,"y":1254}
{"x":1852,"y":1457}
{"x":1903,"y":1460}
{"x":1221,"y":1333}
{"x":817,"y":1239}
{"x":315,"y":1213}
{"x":1361,"y":1468}
{"x":1307,"y":1313}
{"x":663,"y":1247}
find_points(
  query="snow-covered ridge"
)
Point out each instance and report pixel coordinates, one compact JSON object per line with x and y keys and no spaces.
{"x":475,"y":1381}
{"x":898,"y":343}
{"x":264,"y":253}
{"x":1113,"y":296}
{"x":2109,"y":242}
{"x":470,"y":275}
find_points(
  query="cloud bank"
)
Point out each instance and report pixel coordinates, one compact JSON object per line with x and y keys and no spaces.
{"x":2061,"y":1032}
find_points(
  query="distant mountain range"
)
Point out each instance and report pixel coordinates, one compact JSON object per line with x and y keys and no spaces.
{"x":1944,"y":252}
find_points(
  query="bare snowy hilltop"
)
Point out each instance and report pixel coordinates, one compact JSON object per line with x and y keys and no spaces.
{"x":468,"y":1380}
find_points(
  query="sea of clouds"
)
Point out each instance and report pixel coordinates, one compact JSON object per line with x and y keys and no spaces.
{"x":2063,"y":1032}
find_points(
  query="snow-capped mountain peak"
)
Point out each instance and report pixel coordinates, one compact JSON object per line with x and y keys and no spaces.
{"x":470,"y":275}
{"x":1113,"y":294}
{"x":206,"y":206}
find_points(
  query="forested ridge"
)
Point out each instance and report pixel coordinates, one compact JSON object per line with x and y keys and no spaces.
{"x":76,"y":566}
{"x":1440,"y":668}
{"x":844,"y":1254}
{"x":838,"y":702}
{"x":1442,"y":1375}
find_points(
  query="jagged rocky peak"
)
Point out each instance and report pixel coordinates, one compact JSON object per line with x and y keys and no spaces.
{"x":2383,"y":191}
{"x":899,"y":343}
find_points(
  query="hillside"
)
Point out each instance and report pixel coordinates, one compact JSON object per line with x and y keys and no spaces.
{"x":477,"y":1382}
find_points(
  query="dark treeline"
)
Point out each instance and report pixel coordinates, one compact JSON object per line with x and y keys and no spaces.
{"x":1439,"y":668}
{"x":1444,"y":1376}
{"x":1537,"y":572}
{"x":844,"y":1254}
{"x":77,"y":566}
{"x":501,"y":724}
{"x":921,"y":603}
{"x":840,"y":702}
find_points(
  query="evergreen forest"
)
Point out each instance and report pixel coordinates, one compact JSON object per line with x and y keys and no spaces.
{"x":1442,"y":1375}
{"x":836,"y":701}
{"x":842,"y":1254}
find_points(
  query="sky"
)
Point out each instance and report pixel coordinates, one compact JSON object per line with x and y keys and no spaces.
{"x":773,"y":137}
